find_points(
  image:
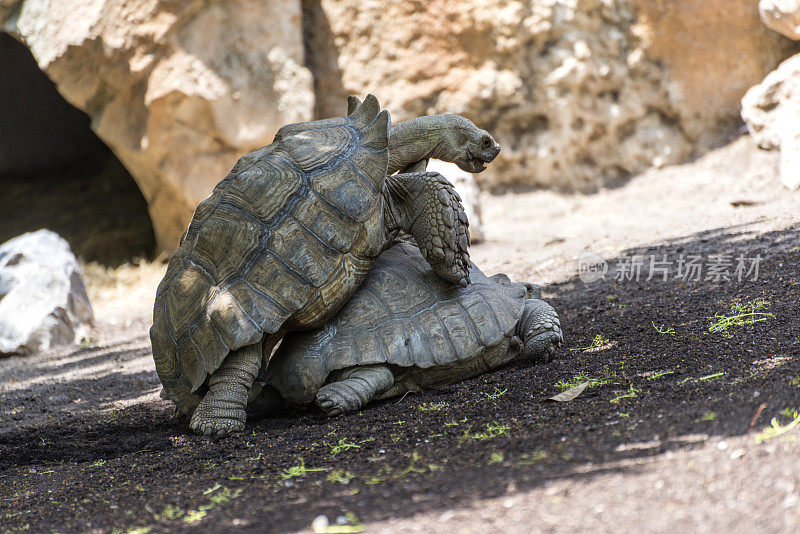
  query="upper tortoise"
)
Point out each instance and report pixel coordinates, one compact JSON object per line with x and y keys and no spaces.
{"x":285,"y":239}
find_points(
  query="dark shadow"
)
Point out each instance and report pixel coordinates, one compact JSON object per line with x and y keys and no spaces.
{"x":56,"y":174}
{"x":426,"y":452}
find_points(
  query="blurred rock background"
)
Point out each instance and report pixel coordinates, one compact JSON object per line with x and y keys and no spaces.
{"x":582,"y":94}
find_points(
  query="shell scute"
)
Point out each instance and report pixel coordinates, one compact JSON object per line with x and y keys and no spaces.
{"x":341,"y":188}
{"x":260,"y":307}
{"x":222,"y":242}
{"x":300,"y":248}
{"x":326,"y":222}
{"x":277,"y":280}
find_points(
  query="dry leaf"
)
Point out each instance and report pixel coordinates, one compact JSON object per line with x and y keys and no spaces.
{"x":570,"y":394}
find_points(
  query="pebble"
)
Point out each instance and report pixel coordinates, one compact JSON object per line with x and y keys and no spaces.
{"x":320,"y":523}
{"x":722,"y":445}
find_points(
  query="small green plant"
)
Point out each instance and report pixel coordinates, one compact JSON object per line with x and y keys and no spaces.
{"x":741,"y":314}
{"x":659,"y":374}
{"x":631,"y":393}
{"x":776,"y":429}
{"x":455,"y":423}
{"x":707,"y":416}
{"x":299,"y":470}
{"x":530,"y":459}
{"x":398,"y":422}
{"x":412,"y":466}
{"x":341,"y":476}
{"x":193,"y":516}
{"x":98,"y":463}
{"x":496,"y":458}
{"x":496,"y":394}
{"x":433,"y":406}
{"x":342,"y":446}
{"x":493,"y":430}
{"x":712,"y":376}
{"x":608,"y":378}
{"x":87,"y":342}
{"x":598,"y":341}
{"x":172,"y":512}
{"x":663,"y":329}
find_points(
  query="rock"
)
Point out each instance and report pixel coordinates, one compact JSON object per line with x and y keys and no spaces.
{"x":771,"y":111}
{"x":580,"y":94}
{"x":468,"y":190}
{"x":178,"y":90}
{"x":783,"y":16}
{"x":43,"y":301}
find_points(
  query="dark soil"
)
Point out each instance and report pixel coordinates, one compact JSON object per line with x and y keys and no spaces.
{"x":452,"y":448}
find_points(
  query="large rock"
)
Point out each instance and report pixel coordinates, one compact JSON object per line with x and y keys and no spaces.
{"x":579,"y":93}
{"x":783,"y":16}
{"x":178,"y":90}
{"x":43,"y":301}
{"x":771,"y":111}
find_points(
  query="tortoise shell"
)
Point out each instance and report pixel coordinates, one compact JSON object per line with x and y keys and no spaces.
{"x":283,"y":240}
{"x":404,"y":315}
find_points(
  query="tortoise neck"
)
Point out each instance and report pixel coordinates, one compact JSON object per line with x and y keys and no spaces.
{"x":419,"y":139}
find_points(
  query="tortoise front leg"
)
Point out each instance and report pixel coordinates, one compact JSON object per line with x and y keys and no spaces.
{"x":425,"y":205}
{"x":353,"y":388}
{"x":222,"y":410}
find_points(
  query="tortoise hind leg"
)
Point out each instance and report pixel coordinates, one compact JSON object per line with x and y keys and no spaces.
{"x":222,"y":410}
{"x":425,"y":205}
{"x":353,"y":388}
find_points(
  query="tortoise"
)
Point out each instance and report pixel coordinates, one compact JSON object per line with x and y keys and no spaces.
{"x":405,"y":329}
{"x":287,"y":237}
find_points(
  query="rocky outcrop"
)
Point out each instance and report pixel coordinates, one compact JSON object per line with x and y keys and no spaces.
{"x":580,"y":94}
{"x":178,"y":90}
{"x":783,"y":16}
{"x":771,"y":111}
{"x":43,"y":301}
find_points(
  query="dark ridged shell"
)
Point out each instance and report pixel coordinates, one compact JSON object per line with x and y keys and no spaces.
{"x":403,"y":314}
{"x":288,"y":235}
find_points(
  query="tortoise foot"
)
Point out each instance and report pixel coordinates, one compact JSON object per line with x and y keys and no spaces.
{"x":334,"y":399}
{"x":214,"y":419}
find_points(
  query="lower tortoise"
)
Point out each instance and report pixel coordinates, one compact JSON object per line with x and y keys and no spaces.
{"x":406,"y":329}
{"x":286,"y":238}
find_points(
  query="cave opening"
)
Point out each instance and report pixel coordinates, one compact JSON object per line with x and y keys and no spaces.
{"x":56,"y":174}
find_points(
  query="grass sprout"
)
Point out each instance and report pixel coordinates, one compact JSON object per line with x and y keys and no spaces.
{"x":776,"y":429}
{"x":663,"y":329}
{"x":741,"y":314}
{"x":598,"y":341}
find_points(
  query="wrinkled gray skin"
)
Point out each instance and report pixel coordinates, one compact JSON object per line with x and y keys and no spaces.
{"x":407,"y":330}
{"x":287,"y":237}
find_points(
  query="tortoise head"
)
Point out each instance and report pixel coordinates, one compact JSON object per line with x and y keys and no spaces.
{"x":465,"y":144}
{"x":539,"y":329}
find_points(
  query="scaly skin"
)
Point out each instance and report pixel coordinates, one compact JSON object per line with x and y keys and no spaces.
{"x":222,"y":410}
{"x":540,"y":331}
{"x":425,"y":205}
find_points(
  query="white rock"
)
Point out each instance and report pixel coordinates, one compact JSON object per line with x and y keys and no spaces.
{"x":468,"y":190}
{"x":771,"y":111}
{"x":43,"y":301}
{"x":783,"y":16}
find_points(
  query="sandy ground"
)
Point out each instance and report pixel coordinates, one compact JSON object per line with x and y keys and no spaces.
{"x":701,"y":483}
